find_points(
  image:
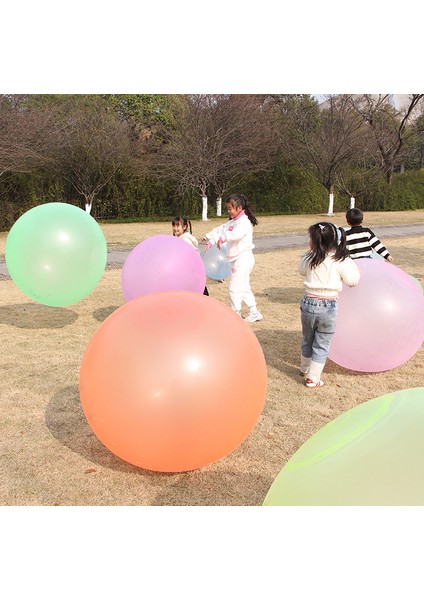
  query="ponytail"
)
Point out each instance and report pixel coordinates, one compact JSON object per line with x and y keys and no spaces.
{"x":241,"y":200}
{"x":326,"y":237}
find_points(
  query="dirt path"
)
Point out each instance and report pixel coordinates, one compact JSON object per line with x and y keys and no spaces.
{"x":269,"y":243}
{"x":274,"y":242}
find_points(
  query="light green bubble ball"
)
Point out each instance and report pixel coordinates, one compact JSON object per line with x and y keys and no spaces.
{"x":56,"y":254}
{"x":371,"y":455}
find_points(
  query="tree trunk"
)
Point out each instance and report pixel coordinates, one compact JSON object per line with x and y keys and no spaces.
{"x":219,"y":206}
{"x":330,"y":205}
{"x":352,"y":202}
{"x":88,"y":206}
{"x":204,"y":208}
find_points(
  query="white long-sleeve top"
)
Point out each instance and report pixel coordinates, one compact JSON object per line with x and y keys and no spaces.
{"x":236,"y":233}
{"x":190,"y":239}
{"x":327,"y":279}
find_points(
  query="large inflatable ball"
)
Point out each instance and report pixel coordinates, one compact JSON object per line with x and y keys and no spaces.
{"x":56,"y":253}
{"x":173,"y":381}
{"x":373,"y":454}
{"x":216,"y":263}
{"x":380,"y":321}
{"x":162,"y":263}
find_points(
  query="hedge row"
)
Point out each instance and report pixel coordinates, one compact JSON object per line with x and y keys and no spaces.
{"x":285,"y":191}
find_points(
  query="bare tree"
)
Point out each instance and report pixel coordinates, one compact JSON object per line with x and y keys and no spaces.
{"x":414,"y":145}
{"x":323,"y":141}
{"x":214,"y":140}
{"x":389,"y":126}
{"x":245,"y":141}
{"x":355,"y":180}
{"x":24,"y":135}
{"x":183,"y":153}
{"x":93,"y":145}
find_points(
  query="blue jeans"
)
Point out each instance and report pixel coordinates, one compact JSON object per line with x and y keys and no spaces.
{"x":318,"y":327}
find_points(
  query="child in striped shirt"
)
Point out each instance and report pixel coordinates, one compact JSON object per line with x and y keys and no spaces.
{"x":361,"y":241}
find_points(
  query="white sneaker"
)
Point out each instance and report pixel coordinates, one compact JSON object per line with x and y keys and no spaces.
{"x":254,"y":316}
{"x":313,"y":384}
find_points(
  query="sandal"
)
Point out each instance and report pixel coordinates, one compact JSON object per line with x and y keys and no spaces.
{"x":313,"y":384}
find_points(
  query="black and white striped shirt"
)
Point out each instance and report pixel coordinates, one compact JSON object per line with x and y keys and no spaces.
{"x":361,"y":241}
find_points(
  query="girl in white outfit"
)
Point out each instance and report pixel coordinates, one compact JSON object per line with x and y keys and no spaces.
{"x":181,"y":227}
{"x":237,"y":233}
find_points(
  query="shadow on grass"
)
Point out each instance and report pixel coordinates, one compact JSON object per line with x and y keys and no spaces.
{"x":103,"y":313}
{"x":36,"y":316}
{"x":66,"y":421}
{"x":224,"y":488}
{"x":281,"y":295}
{"x":281,"y":349}
{"x":282,"y":352}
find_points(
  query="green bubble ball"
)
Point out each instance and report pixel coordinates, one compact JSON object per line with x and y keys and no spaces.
{"x":56,"y":254}
{"x":371,"y":455}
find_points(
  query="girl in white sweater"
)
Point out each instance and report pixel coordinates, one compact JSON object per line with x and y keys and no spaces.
{"x":181,"y":227}
{"x":325,"y":267}
{"x":237,"y":233}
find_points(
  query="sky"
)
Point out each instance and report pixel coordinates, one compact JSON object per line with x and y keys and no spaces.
{"x":221,"y":47}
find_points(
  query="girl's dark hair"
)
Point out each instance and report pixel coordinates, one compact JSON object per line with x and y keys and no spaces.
{"x":241,"y":200}
{"x":326,"y":237}
{"x":184,"y":222}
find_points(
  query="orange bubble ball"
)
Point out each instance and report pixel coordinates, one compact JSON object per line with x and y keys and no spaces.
{"x":173,"y":381}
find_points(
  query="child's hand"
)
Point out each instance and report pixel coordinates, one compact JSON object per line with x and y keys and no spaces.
{"x":208,"y":245}
{"x":390,"y":259}
{"x":219,"y":243}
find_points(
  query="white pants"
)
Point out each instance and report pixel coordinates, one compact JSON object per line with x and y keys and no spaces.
{"x":239,"y":288}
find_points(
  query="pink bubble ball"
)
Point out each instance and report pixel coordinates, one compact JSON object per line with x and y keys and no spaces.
{"x":162,"y":263}
{"x":380,"y":322}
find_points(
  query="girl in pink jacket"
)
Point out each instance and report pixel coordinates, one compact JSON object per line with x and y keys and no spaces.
{"x":237,"y":234}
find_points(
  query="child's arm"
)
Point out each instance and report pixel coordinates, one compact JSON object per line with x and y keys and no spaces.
{"x":235,"y":233}
{"x":349,"y":272}
{"x":303,"y":265}
{"x":378,"y":247}
{"x":214,"y":235}
{"x":227,"y":232}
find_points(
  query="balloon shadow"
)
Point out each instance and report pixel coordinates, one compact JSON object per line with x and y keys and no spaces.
{"x":36,"y":316}
{"x":103,"y":313}
{"x":286,"y":359}
{"x":66,"y":421}
{"x":224,"y":488}
{"x":282,"y":295}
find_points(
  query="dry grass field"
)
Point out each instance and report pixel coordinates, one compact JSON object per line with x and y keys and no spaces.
{"x":49,"y":455}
